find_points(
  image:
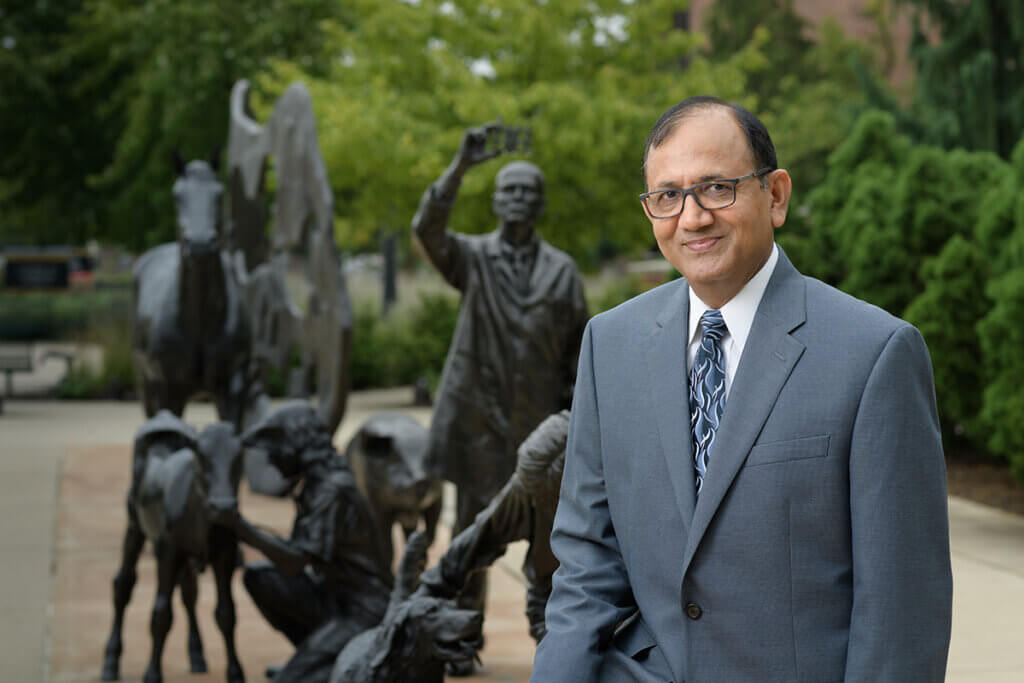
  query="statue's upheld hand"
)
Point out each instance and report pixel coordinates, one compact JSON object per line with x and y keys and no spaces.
{"x":480,"y":144}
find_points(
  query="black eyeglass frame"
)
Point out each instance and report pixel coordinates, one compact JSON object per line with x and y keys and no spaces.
{"x":688,"y":191}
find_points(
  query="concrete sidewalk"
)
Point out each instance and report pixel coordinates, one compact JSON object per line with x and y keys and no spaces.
{"x":36,"y":437}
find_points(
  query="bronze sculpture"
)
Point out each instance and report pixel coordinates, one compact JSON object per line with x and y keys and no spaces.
{"x":523,"y":510}
{"x":418,"y":635}
{"x":302,"y":239}
{"x":190,"y":330}
{"x":386,"y":455}
{"x":181,"y":482}
{"x":512,"y":361}
{"x":331,"y":579}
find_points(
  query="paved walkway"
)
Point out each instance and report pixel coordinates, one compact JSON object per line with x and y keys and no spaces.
{"x":54,"y":493}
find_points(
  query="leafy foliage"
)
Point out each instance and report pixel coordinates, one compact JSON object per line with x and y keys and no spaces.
{"x":115,"y":378}
{"x":44,"y":315}
{"x":405,"y":346}
{"x":935,"y":237}
{"x":969,"y":87}
{"x":1002,"y":338}
{"x":46,"y":152}
{"x":97,"y":94}
{"x":588,"y":77}
{"x":947,"y":312}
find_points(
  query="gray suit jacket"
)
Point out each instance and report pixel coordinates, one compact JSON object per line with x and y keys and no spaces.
{"x":819,"y":547}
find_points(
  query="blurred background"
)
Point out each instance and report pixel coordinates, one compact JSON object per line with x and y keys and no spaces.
{"x":900,"y":122}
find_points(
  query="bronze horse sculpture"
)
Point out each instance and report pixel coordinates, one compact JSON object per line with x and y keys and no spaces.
{"x":191,"y":330}
{"x":181,"y":483}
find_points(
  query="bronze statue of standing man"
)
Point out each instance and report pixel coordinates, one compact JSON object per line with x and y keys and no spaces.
{"x":512,"y":360}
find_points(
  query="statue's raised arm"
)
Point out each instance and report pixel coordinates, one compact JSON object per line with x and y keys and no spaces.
{"x":479,"y":144}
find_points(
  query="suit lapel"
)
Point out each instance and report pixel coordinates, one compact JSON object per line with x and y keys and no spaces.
{"x":666,"y":349}
{"x":768,"y":358}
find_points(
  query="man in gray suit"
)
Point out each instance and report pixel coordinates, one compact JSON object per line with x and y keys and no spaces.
{"x":754,"y":485}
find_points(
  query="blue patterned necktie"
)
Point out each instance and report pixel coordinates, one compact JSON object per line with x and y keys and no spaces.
{"x":707,"y":389}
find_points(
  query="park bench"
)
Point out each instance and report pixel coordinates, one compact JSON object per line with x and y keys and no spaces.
{"x":23,"y":358}
{"x":14,"y":359}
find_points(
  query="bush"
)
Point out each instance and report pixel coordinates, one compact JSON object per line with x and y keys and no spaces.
{"x":614,"y":293}
{"x":406,"y":345}
{"x":936,"y":237}
{"x":116,"y":376}
{"x":49,"y":316}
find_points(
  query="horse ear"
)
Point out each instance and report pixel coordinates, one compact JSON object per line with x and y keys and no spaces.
{"x":215,"y":159}
{"x":178,"y":161}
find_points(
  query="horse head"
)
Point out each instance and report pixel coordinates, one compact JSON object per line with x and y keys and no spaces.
{"x":197,"y":194}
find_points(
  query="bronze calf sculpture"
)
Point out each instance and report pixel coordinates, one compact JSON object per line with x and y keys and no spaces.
{"x":181,"y":482}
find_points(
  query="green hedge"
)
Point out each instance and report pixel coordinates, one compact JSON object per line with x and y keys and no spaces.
{"x":937,"y":238}
{"x":407,"y":345}
{"x":54,"y":316}
{"x":115,"y":378}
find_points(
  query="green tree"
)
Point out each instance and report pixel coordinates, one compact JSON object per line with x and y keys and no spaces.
{"x":588,"y":77}
{"x":936,"y":237}
{"x":106,"y":89}
{"x":1000,"y":332}
{"x":969,"y":85}
{"x":50,"y":140}
{"x":1002,"y":338}
{"x":947,"y":312}
{"x":888,"y":205}
{"x":732,"y":24}
{"x":856,"y":196}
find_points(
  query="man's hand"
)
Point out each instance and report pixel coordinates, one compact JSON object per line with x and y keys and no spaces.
{"x":433,"y":584}
{"x":480,"y":144}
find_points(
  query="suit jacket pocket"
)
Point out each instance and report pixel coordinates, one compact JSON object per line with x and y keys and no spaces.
{"x":634,"y":639}
{"x":789,"y":450}
{"x":634,"y":652}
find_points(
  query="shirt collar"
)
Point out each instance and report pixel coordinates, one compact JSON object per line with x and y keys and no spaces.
{"x":739,"y":311}
{"x":528,"y":248}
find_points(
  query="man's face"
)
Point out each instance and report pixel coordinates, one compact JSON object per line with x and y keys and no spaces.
{"x":717,"y":251}
{"x":518,"y":196}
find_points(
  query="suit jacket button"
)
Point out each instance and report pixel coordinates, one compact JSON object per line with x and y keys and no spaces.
{"x":694,"y":611}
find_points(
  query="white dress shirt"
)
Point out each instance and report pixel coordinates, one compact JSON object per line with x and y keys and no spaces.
{"x":738,"y":314}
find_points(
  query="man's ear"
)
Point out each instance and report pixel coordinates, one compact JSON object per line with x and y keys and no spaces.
{"x":780,"y":186}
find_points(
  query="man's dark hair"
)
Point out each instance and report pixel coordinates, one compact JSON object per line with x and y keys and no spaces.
{"x":758,"y":140}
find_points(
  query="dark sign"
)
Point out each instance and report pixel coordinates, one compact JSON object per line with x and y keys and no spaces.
{"x":36,"y":274}
{"x":46,"y":267}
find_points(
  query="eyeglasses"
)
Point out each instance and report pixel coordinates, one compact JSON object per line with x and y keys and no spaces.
{"x":710,"y":196}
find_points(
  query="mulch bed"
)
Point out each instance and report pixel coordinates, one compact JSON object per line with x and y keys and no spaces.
{"x":984,"y":481}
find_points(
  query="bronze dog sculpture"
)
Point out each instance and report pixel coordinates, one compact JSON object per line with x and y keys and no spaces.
{"x":418,"y":635}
